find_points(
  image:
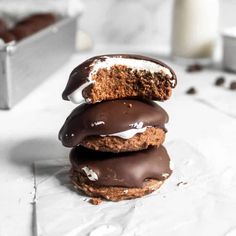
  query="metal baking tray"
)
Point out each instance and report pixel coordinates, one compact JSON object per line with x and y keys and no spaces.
{"x":229,"y":49}
{"x":24,"y":65}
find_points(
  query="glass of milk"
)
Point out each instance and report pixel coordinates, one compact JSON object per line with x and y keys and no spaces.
{"x":195,"y":29}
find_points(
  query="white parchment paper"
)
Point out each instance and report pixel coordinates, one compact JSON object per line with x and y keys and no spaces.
{"x":194,"y":201}
{"x":220,"y":98}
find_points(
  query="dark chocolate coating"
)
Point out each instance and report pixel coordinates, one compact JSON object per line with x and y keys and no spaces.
{"x":116,"y":116}
{"x":32,"y":24}
{"x":80,"y":74}
{"x":26,"y":27}
{"x":3,"y":26}
{"x":128,"y":169}
{"x":21,"y":32}
{"x":37,"y":22}
{"x":7,"y":37}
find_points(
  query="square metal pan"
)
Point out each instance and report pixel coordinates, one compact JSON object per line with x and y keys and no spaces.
{"x":24,"y":65}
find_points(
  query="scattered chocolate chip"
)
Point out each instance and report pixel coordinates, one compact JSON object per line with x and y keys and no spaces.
{"x":233,"y":85}
{"x":181,"y":183}
{"x":220,"y":81}
{"x":191,"y":91}
{"x":194,"y":68}
{"x":95,"y":201}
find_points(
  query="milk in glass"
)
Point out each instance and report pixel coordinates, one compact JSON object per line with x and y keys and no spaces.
{"x":195,"y":28}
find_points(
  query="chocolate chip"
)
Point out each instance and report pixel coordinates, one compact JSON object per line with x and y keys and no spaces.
{"x":181,"y":183}
{"x":191,"y":91}
{"x":220,"y":81}
{"x":233,"y":85}
{"x":194,"y":68}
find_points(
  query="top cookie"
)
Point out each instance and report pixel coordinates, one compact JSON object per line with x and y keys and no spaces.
{"x":109,"y":77}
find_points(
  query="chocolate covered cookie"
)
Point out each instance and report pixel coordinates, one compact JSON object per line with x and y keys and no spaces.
{"x":21,"y":31}
{"x":3,"y":26}
{"x":7,"y":37}
{"x":109,"y":77}
{"x":119,"y":176}
{"x":152,"y":136}
{"x":32,"y":24}
{"x":38,"y":21}
{"x":115,"y":126}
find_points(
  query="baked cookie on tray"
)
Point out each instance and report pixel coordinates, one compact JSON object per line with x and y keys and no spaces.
{"x":116,"y":76}
{"x":3,"y":26}
{"x":119,"y":176}
{"x":115,"y":126}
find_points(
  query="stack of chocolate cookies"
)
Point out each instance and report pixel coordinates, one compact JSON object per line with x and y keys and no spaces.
{"x":117,"y":131}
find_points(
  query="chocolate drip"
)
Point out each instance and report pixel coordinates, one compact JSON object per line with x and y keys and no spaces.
{"x":80,"y":74}
{"x":109,"y":117}
{"x":128,"y":169}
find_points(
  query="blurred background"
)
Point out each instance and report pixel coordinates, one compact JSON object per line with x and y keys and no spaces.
{"x":140,"y":23}
{"x":125,"y":22}
{"x":147,"y":23}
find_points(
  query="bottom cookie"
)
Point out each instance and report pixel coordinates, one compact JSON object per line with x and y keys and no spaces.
{"x":117,"y":193}
{"x":119,"y":176}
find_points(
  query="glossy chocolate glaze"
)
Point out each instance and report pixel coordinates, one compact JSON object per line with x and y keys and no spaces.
{"x":110,"y":117}
{"x":128,"y":169}
{"x":80,"y":74}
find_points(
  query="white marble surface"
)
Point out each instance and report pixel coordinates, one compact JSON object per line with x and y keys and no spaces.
{"x":29,"y":133}
{"x":146,"y":23}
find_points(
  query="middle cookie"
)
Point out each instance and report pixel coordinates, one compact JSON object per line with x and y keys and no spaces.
{"x":115,"y":126}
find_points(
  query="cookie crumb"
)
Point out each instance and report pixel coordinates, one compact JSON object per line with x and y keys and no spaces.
{"x":130,"y":105}
{"x":232,"y":85}
{"x":194,"y":68}
{"x":95,"y":201}
{"x":220,"y":81}
{"x":191,"y":91}
{"x":181,"y":183}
